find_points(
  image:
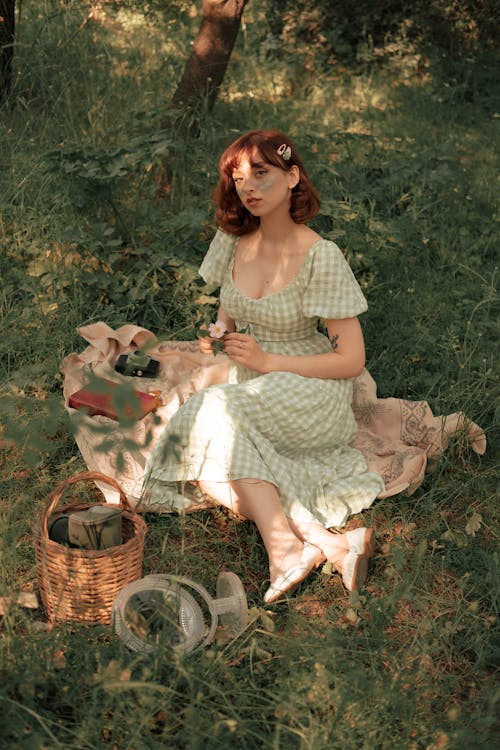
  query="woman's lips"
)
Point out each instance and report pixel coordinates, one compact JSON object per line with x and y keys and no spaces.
{"x":252,"y":202}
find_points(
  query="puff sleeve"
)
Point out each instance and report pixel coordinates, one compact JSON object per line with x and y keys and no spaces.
{"x":216,"y":261}
{"x":332,"y":290}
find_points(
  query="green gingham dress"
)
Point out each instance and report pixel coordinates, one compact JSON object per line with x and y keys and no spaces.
{"x":290,"y":430}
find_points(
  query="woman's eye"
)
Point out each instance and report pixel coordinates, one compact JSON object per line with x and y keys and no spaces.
{"x":261,"y":172}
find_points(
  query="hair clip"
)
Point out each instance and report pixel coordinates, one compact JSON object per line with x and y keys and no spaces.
{"x":284,"y":151}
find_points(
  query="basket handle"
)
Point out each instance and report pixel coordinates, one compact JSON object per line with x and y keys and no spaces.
{"x":83,"y":476}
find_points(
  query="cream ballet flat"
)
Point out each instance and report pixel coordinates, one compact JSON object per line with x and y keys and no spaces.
{"x":361,"y":541}
{"x":354,"y":566}
{"x":288,"y":581}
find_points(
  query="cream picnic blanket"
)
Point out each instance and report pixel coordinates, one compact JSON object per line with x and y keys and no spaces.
{"x":399,"y":438}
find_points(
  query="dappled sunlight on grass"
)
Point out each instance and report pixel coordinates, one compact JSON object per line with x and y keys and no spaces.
{"x":105,"y":214}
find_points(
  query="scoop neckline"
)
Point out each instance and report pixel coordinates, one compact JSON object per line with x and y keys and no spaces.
{"x":283,"y":288}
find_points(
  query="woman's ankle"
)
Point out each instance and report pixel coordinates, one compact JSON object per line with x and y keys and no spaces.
{"x":336,"y":548}
{"x":281,"y":560}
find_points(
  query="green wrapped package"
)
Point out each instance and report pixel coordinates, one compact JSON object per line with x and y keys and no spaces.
{"x":98,"y":527}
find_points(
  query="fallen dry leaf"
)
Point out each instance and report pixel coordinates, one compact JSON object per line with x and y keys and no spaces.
{"x":473,"y":524}
{"x":26,"y":599}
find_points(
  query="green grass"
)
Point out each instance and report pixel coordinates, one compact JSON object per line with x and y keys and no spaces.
{"x":404,"y":156}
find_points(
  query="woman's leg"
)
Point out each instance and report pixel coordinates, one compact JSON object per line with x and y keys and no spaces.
{"x":334,"y":546}
{"x":222,"y":493}
{"x":259,"y":501}
{"x":284,"y":538}
{"x":349,"y":552}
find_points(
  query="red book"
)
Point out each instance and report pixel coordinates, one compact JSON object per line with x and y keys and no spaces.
{"x":105,"y":401}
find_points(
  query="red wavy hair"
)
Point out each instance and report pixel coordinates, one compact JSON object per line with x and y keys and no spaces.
{"x":230,"y":214}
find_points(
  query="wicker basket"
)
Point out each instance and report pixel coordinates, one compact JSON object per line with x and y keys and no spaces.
{"x":81,"y":584}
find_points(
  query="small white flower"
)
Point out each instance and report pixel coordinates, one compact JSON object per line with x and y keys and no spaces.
{"x":217,"y":329}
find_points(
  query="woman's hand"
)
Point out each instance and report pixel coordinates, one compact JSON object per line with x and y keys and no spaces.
{"x":244,"y":349}
{"x":205,"y":343}
{"x":213,"y":344}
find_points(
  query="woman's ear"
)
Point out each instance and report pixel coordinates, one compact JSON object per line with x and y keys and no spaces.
{"x":293,"y":176}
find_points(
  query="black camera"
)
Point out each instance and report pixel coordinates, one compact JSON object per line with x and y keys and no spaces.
{"x":138,"y":365}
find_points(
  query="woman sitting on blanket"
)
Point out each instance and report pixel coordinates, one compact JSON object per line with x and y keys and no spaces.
{"x":273,"y":444}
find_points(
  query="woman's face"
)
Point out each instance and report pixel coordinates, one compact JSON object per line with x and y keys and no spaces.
{"x":262,"y":187}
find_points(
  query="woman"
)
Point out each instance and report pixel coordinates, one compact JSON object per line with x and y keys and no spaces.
{"x":273,"y":443}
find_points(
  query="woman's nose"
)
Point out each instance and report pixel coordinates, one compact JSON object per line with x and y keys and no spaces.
{"x":248,"y":184}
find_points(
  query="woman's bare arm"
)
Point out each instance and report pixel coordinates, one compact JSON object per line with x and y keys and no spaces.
{"x":346,"y":360}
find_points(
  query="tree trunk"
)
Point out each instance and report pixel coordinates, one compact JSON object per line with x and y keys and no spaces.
{"x":7,"y":26}
{"x":207,"y":64}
